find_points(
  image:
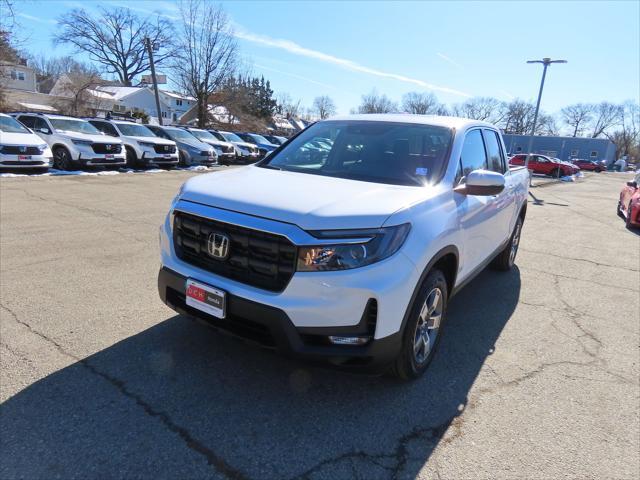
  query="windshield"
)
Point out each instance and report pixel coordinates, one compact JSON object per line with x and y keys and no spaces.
{"x":219,"y":136}
{"x":232,"y":137}
{"x":258,"y":138}
{"x":134,"y":130}
{"x":179,"y":134}
{"x":11,"y":125}
{"x":72,"y":125}
{"x":203,"y":135}
{"x":381,"y":152}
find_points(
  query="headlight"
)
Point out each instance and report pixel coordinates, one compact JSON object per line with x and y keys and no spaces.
{"x":380,"y":244}
{"x":86,"y":143}
{"x":146,"y":144}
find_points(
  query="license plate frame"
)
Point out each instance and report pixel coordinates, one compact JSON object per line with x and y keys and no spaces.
{"x":206,"y":298}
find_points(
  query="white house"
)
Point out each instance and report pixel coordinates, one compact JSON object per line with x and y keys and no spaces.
{"x":178,"y":104}
{"x":16,"y":76}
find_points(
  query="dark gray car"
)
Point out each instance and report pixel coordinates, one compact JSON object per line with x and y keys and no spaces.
{"x":192,"y":151}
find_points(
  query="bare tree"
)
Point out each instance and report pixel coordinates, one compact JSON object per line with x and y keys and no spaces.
{"x":420,"y":103}
{"x":627,"y":136}
{"x":207,"y":52}
{"x":577,"y":117}
{"x":288,"y":107}
{"x":323,"y":107}
{"x":486,"y":109}
{"x":77,"y":88}
{"x":518,"y":118}
{"x":374,"y":103}
{"x":605,"y":116}
{"x":115,"y":39}
{"x":50,"y":69}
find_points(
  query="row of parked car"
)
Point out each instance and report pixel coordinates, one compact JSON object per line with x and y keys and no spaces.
{"x":545,"y":165}
{"x":38,"y":141}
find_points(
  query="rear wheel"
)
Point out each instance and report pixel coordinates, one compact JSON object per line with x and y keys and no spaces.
{"x":422,"y":332}
{"x":556,"y":173}
{"x":628,"y":218}
{"x":507,"y":257}
{"x":62,"y":159}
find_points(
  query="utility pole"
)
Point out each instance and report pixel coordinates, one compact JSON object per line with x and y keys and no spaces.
{"x":149,"y":46}
{"x":546,"y":62}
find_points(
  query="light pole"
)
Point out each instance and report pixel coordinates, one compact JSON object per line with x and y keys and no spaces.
{"x":150,"y":47}
{"x":546,"y":62}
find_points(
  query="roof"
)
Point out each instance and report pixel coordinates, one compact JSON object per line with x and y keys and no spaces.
{"x":177,"y":95}
{"x":118,"y":93}
{"x":37,"y":106}
{"x":440,"y":121}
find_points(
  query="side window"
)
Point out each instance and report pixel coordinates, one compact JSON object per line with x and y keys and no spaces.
{"x":41,"y":125}
{"x":28,"y":121}
{"x":494,"y":152}
{"x":106,"y":128}
{"x":473,"y":155}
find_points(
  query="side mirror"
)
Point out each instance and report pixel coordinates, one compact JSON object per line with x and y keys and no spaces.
{"x":632,"y":184}
{"x":46,"y":131}
{"x":481,"y":182}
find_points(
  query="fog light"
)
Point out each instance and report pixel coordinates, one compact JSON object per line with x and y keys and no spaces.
{"x":348,"y":340}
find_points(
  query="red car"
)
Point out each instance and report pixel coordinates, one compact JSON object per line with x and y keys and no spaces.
{"x":545,"y":165}
{"x":629,"y":204}
{"x":589,"y":165}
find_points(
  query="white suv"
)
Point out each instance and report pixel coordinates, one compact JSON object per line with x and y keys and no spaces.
{"x":21,"y":148}
{"x":347,"y":242}
{"x":143,"y":147}
{"x":74,"y":142}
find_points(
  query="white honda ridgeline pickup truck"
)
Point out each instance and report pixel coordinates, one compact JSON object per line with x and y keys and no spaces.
{"x":346,"y":243}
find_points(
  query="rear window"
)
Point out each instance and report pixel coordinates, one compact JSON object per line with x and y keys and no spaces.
{"x":381,"y":152}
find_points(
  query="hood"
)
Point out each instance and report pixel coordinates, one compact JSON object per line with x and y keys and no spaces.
{"x":244,"y":144}
{"x":195,"y":143}
{"x":218,"y":143}
{"x":27,"y":139}
{"x":87,"y":137}
{"x":156,"y":140}
{"x":312,"y":202}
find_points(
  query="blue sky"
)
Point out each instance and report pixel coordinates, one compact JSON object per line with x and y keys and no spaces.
{"x":454,"y":49}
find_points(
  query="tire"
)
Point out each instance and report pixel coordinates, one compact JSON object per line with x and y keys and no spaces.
{"x":423,"y":331}
{"x":628,"y":218}
{"x":183,"y":160}
{"x":132,"y":159}
{"x":619,"y":209}
{"x":555,"y":173}
{"x":507,"y":257}
{"x":62,"y":159}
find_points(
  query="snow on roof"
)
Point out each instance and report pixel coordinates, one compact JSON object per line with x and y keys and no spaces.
{"x":118,"y":93}
{"x":37,"y":106}
{"x":179,"y":96}
{"x":282,"y":123}
{"x":100,"y":94}
{"x":221,"y":114}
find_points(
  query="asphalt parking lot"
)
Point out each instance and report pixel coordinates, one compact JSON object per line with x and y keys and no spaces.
{"x":536,"y":377}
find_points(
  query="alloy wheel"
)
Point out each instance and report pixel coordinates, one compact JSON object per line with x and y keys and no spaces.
{"x":428,"y":325}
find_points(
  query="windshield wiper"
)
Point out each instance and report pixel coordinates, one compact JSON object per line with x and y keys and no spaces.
{"x":271,"y":167}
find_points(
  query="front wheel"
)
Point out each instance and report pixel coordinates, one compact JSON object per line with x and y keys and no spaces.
{"x":507,"y":257}
{"x":422,"y":332}
{"x":62,"y":159}
{"x":628,"y":218}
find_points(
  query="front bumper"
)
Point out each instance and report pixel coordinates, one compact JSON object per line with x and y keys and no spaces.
{"x":272,"y":328}
{"x":160,"y":159}
{"x":34,"y":161}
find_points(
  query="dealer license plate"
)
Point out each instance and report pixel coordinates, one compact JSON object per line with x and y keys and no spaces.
{"x":206,"y":298}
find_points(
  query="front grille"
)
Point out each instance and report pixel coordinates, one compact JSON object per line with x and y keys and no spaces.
{"x":228,"y":149}
{"x":256,"y":258}
{"x":106,"y":148}
{"x":20,"y":150}
{"x":22,"y":163}
{"x":204,"y":153}
{"x":165,"y":148}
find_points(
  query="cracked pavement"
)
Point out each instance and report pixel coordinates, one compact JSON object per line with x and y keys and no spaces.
{"x":537,"y":375}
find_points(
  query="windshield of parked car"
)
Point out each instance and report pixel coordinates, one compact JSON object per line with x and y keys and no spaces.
{"x":203,"y":135}
{"x":179,"y":134}
{"x":381,"y":152}
{"x":11,"y":125}
{"x":232,"y":137}
{"x":258,"y":138}
{"x":134,"y":130}
{"x":218,"y":136}
{"x":73,"y":125}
